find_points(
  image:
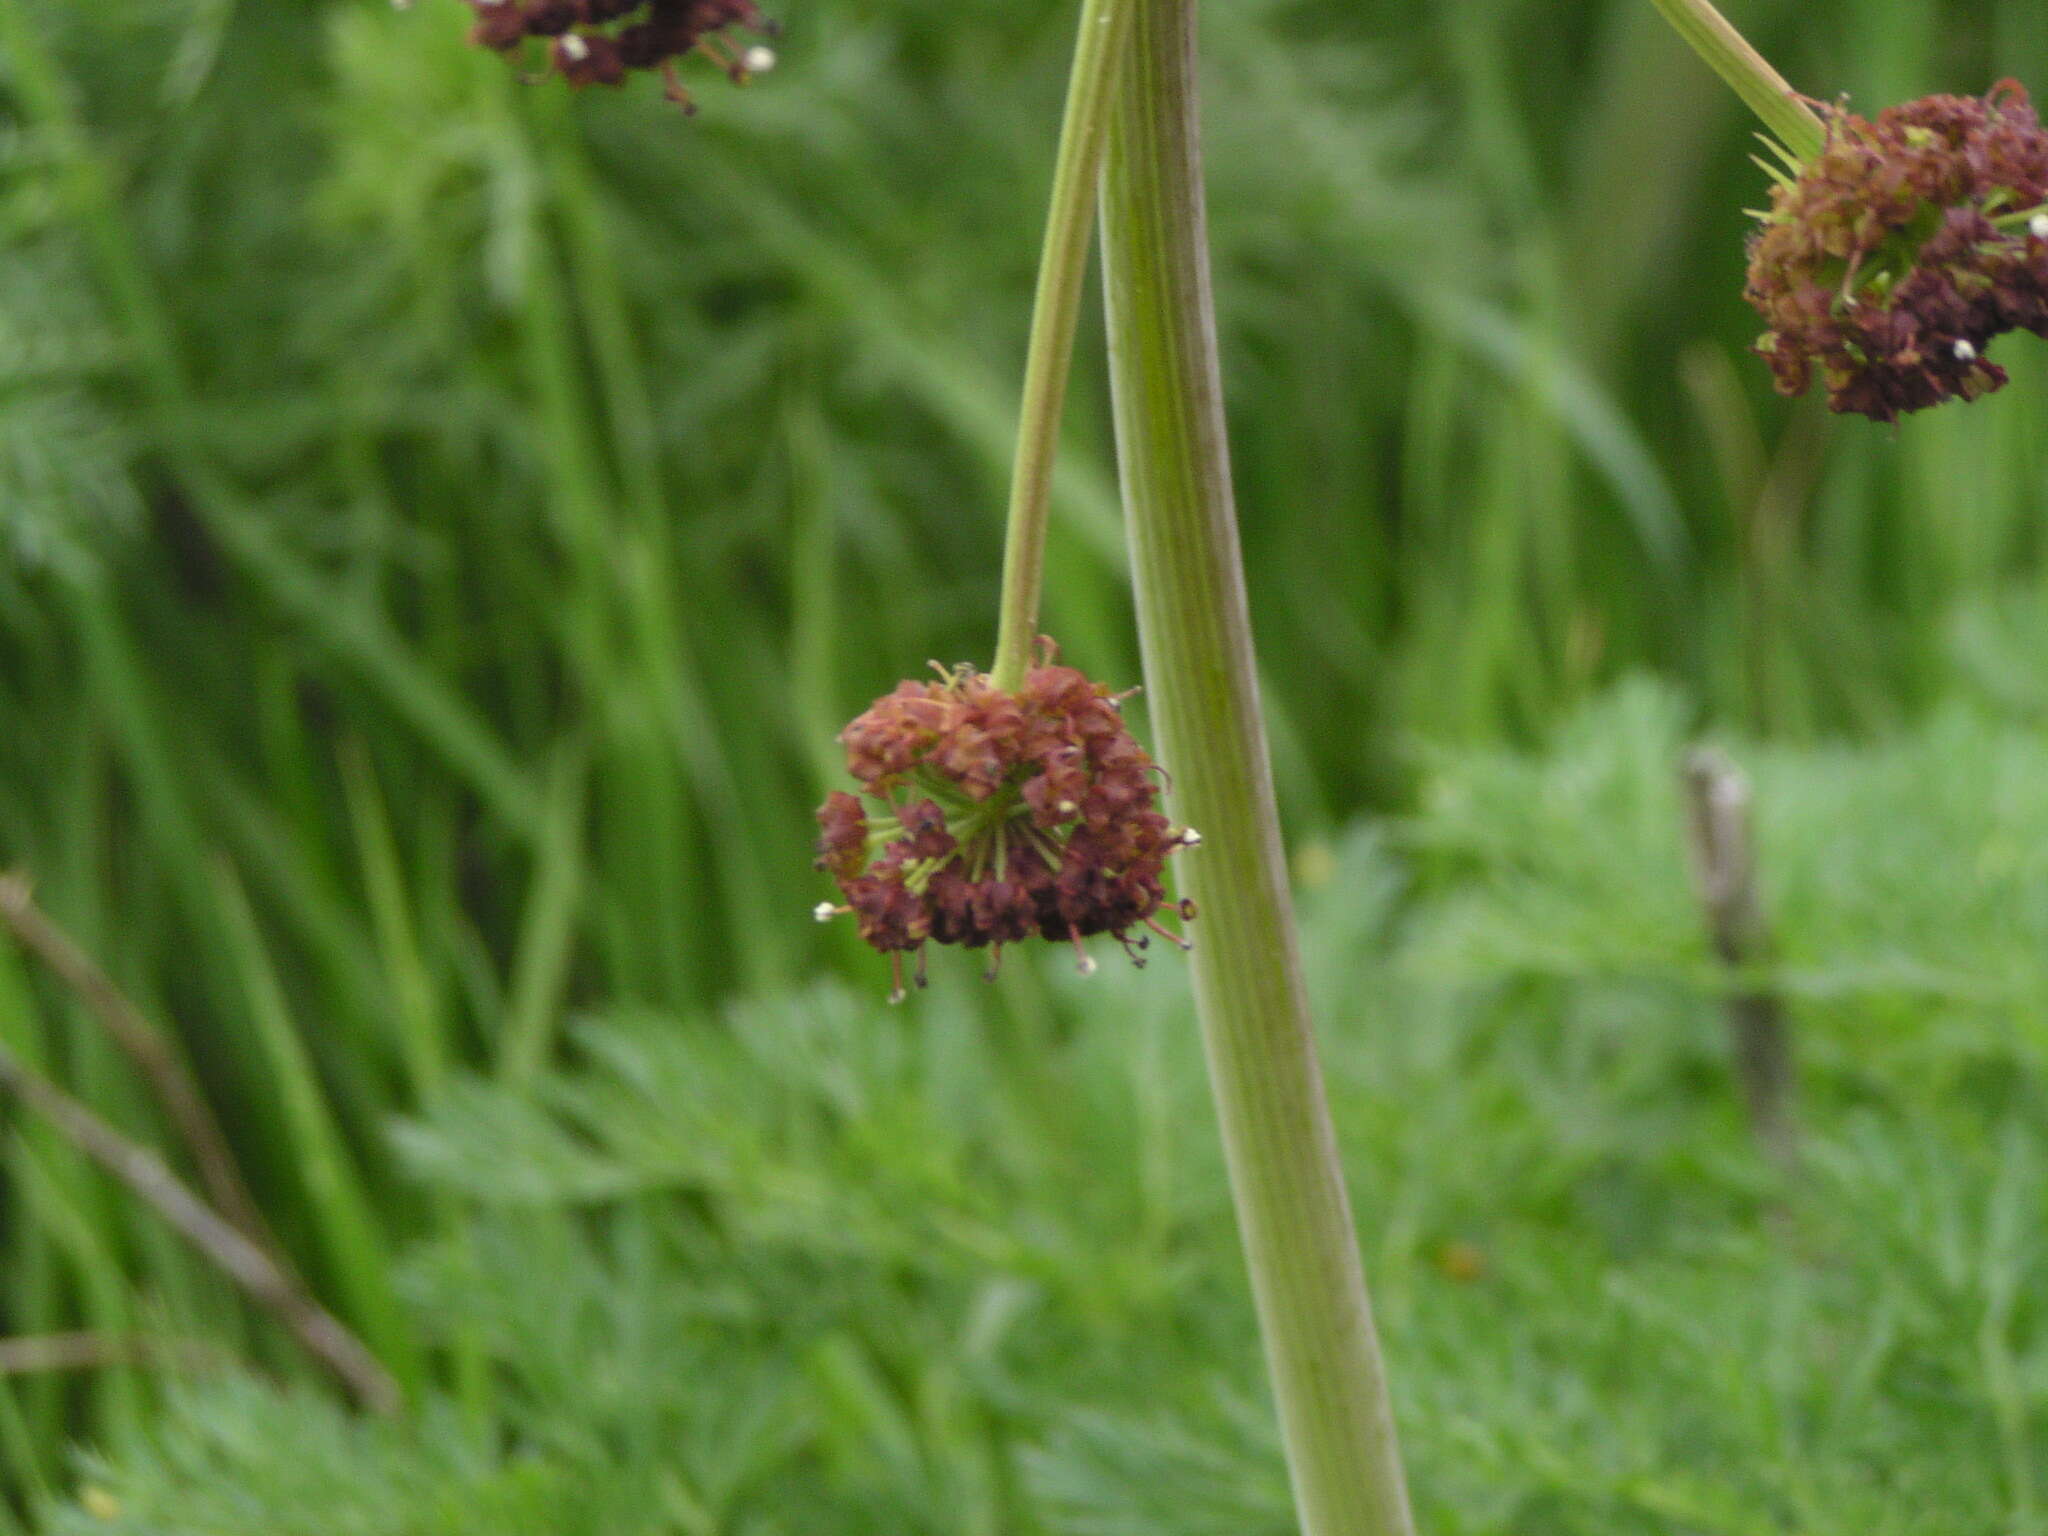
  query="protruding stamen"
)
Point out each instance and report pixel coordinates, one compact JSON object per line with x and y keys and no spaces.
{"x":1190,"y":838}
{"x":1084,"y":962}
{"x":825,"y":911}
{"x":995,"y":963}
{"x":1176,"y":940}
{"x":672,"y":88}
{"x":758,"y":60}
{"x":1965,"y":352}
{"x":896,"y":992}
{"x":711,"y":50}
{"x":920,"y":978}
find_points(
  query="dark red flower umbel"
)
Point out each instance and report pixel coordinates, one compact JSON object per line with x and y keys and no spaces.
{"x":601,"y":42}
{"x":998,"y":817}
{"x":1903,"y":248}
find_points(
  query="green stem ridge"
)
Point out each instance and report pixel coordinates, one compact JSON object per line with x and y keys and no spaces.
{"x":1062,"y":276}
{"x":1300,"y":1244}
{"x":1761,"y":87}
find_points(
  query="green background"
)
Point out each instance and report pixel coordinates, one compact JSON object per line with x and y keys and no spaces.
{"x":444,"y":521}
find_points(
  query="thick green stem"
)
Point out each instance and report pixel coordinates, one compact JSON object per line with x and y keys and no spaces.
{"x":1062,"y":276}
{"x":1765,"y":91}
{"x":1300,"y":1245}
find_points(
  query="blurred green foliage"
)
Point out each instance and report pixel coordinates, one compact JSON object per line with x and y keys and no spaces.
{"x":443,"y":523}
{"x":817,"y":1264}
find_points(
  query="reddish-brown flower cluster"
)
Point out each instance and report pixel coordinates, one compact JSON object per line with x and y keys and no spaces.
{"x":1009,"y":815}
{"x":1903,"y":248}
{"x":601,"y":42}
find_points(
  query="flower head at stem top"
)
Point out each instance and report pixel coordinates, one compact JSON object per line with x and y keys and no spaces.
{"x":1893,"y":257}
{"x":602,"y":42}
{"x":999,"y":816}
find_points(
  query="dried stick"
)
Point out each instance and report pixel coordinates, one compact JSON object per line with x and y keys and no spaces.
{"x":31,"y":1354}
{"x":150,"y":1050}
{"x":1722,"y":843}
{"x":242,"y":1260}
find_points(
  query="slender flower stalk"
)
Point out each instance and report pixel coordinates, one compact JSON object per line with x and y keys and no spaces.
{"x":1783,"y":110}
{"x":1062,"y":277}
{"x":1299,"y":1240}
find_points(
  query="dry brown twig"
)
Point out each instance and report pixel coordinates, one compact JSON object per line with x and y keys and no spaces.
{"x":238,"y":1242}
{"x":31,"y":1354}
{"x":146,"y":1046}
{"x":265,"y":1280}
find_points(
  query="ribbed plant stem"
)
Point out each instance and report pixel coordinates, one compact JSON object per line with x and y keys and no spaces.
{"x":1062,"y":277}
{"x":1731,"y":57}
{"x":1294,"y":1217}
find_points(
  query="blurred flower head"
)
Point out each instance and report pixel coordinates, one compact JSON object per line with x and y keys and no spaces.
{"x":601,"y":42}
{"x":1895,"y":256}
{"x":998,"y":817}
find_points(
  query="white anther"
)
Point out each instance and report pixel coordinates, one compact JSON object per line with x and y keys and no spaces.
{"x":824,"y":911}
{"x":898,"y":995}
{"x":758,"y":60}
{"x":1085,"y":965}
{"x":2037,"y":226}
{"x":1190,"y":838}
{"x":1965,"y":353}
{"x":1067,"y":807}
{"x":574,"y":49}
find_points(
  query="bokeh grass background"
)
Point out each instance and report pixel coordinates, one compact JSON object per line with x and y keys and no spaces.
{"x":443,"y":523}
